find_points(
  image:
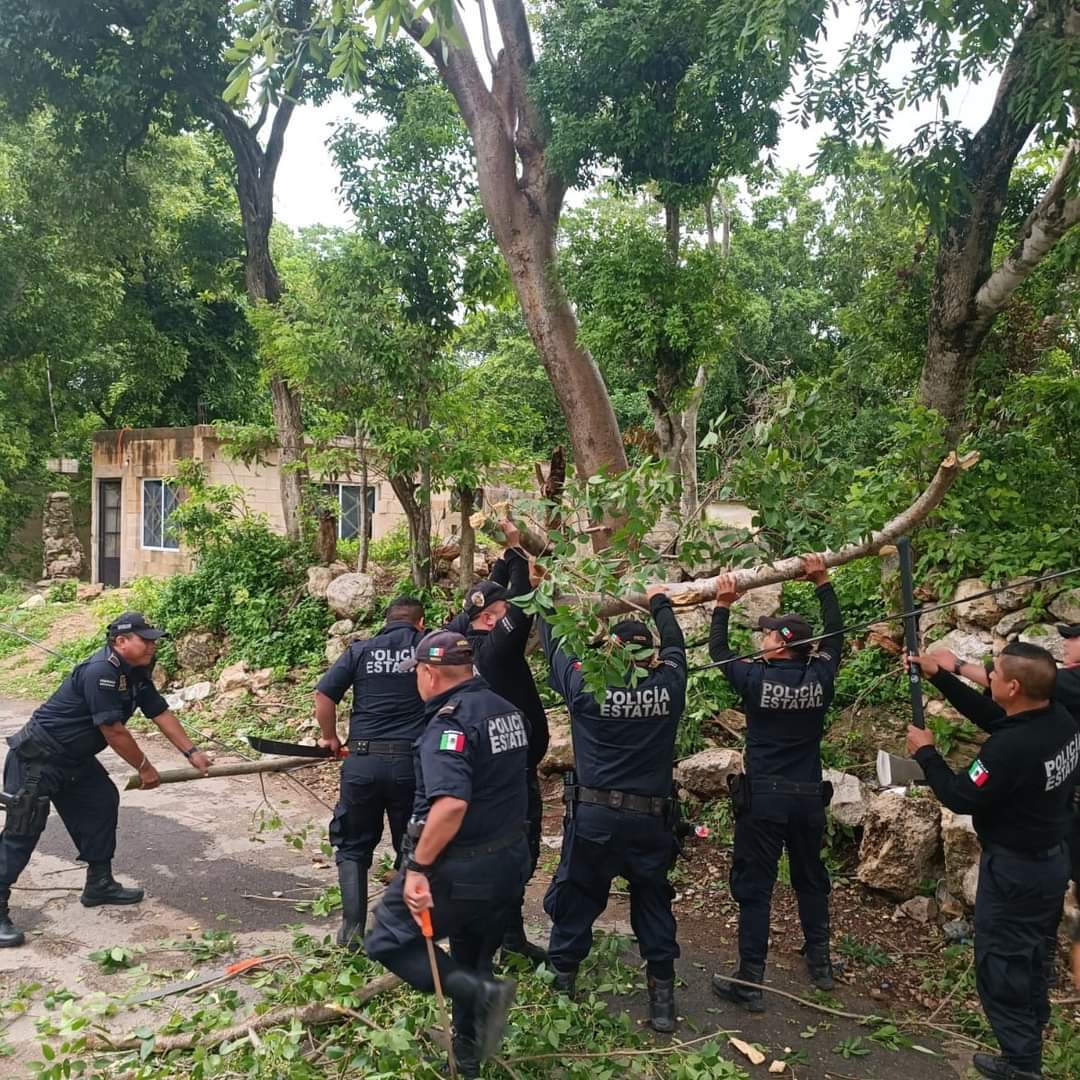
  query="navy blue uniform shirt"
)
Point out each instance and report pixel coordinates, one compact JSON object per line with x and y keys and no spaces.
{"x":500,"y":653}
{"x":385,"y":703}
{"x":785,"y":700}
{"x":626,"y":740}
{"x":105,"y":689}
{"x":474,"y":749}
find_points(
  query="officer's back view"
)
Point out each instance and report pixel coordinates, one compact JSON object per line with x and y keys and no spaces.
{"x":377,"y":777}
{"x":620,"y":811}
{"x":780,"y":802}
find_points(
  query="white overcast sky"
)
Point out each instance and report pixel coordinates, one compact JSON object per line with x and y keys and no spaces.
{"x":307,"y":180}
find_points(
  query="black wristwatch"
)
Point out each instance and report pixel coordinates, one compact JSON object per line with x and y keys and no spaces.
{"x":188,"y":753}
{"x":417,"y":868}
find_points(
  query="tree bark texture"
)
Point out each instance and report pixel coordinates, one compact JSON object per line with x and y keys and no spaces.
{"x":966,"y":295}
{"x":418,"y":517}
{"x":676,"y":436}
{"x":236,"y":768}
{"x":467,"y":549}
{"x":522,"y":200}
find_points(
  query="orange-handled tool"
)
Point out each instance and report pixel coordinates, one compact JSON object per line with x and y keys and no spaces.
{"x":429,"y":939}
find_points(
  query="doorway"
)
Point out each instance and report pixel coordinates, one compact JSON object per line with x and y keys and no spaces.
{"x":109,"y":532}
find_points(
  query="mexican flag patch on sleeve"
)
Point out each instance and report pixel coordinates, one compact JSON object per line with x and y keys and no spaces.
{"x":979,"y":773}
{"x":453,"y":740}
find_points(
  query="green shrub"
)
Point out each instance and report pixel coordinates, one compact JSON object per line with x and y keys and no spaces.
{"x":392,"y":549}
{"x":63,"y":592}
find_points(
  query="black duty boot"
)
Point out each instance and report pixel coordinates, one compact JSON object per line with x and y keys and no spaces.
{"x":489,"y":1002}
{"x":514,"y":941}
{"x":819,"y":965}
{"x":465,"y":1059}
{"x":352,"y":879}
{"x":10,"y":938}
{"x":997,"y":1068}
{"x":102,"y":888}
{"x":745,"y":997}
{"x":565,"y":982}
{"x":662,"y":1004}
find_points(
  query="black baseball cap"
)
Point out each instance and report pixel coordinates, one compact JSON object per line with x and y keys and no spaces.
{"x":1067,"y":631}
{"x":135,"y":622}
{"x":791,"y":627}
{"x":482,"y":595}
{"x":444,"y":648}
{"x":632,"y":632}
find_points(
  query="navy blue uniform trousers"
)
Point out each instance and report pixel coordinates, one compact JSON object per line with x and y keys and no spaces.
{"x":86,"y":800}
{"x":372,"y":785}
{"x":1017,"y":899}
{"x":599,"y":845}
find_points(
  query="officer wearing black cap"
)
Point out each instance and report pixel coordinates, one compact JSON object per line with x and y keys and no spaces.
{"x":377,"y":777}
{"x":53,"y":760}
{"x":1018,"y":792}
{"x":467,"y":856}
{"x":620,"y":811}
{"x":499,"y":632}
{"x":780,"y":802}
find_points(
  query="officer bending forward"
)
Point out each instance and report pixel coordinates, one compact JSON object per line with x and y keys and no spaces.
{"x":467,"y":854}
{"x":620,"y":812}
{"x":53,"y":759}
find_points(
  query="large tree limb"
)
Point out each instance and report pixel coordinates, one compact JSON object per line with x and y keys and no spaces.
{"x":689,"y":593}
{"x":237,"y":768}
{"x":313,"y":1015}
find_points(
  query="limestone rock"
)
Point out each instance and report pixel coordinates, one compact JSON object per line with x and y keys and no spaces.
{"x":705,"y":774}
{"x":921,"y":909}
{"x":35,"y":600}
{"x":970,"y":646}
{"x":900,"y":845}
{"x":159,"y":677}
{"x":1015,"y":596}
{"x":335,"y":647}
{"x":979,"y":614}
{"x":757,"y":602}
{"x":62,"y":552}
{"x":695,"y":622}
{"x":85,"y":592}
{"x":1014,"y":622}
{"x":1047,"y":636}
{"x":933,"y":622}
{"x":261,"y":680}
{"x":176,"y":702}
{"x":480,"y":566}
{"x":318,"y":581}
{"x":199,"y":691}
{"x":1066,"y":606}
{"x":560,"y":753}
{"x":234,"y":679}
{"x":851,"y":797}
{"x":197,"y":650}
{"x":341,"y":628}
{"x":351,"y":594}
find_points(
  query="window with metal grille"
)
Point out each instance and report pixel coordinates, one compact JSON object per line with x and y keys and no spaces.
{"x":348,"y":500}
{"x":158,"y":502}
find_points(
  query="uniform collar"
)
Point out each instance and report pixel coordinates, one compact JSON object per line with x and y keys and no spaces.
{"x":397,"y":624}
{"x":117,"y":660}
{"x":432,"y":705}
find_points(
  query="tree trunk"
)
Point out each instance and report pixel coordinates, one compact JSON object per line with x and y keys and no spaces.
{"x":418,"y":516}
{"x":671,"y":230}
{"x":326,"y":544}
{"x":467,"y":555}
{"x":676,"y":437}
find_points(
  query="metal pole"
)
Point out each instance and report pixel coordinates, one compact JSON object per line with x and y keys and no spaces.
{"x":911,"y":630}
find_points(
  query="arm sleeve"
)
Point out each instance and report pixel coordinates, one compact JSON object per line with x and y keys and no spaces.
{"x":974,"y":704}
{"x":1067,"y":691}
{"x":737,"y":672}
{"x":447,"y":757}
{"x":340,"y":677}
{"x":101,"y":692}
{"x":459,"y":624}
{"x":672,"y":642}
{"x":832,"y":622}
{"x":565,"y":676}
{"x":150,"y":701}
{"x":518,"y":583}
{"x":961,"y":792}
{"x":500,"y":571}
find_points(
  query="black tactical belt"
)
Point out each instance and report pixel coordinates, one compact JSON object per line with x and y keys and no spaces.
{"x":655,"y":806}
{"x":379,"y":746}
{"x":473,"y":851}
{"x":1028,"y":856}
{"x":767,"y":785}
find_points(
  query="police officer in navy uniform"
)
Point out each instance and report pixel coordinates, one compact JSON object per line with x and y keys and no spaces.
{"x":620,"y":811}
{"x":467,"y":856}
{"x":1018,"y":792}
{"x":377,"y":777}
{"x":499,"y":632}
{"x":780,"y":801}
{"x":53,"y":760}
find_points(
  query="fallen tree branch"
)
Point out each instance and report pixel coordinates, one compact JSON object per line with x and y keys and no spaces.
{"x":313,"y":1015}
{"x":239,"y":768}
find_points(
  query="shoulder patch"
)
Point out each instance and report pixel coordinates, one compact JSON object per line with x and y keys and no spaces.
{"x":507,"y":623}
{"x":113,"y":659}
{"x":107,"y":684}
{"x":453,"y":741}
{"x":978,"y":773}
{"x":671,"y":664}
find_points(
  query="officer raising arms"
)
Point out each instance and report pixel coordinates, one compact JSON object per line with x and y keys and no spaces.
{"x":780,"y":802}
{"x":377,"y":777}
{"x":467,"y":855}
{"x":620,"y":811}
{"x":53,"y":759}
{"x":1018,"y":791}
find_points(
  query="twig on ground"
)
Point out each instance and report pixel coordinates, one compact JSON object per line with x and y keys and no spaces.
{"x":952,"y":993}
{"x":652,"y":1051}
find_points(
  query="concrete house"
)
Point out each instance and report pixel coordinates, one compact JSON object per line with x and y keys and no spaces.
{"x":131,"y":499}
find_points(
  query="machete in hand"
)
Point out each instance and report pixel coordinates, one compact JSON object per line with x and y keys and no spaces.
{"x":288,"y":749}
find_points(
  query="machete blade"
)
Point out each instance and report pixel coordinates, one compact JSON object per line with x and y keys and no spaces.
{"x":288,"y":749}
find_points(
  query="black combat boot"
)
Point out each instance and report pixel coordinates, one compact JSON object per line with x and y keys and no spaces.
{"x":352,"y":879}
{"x":514,"y":941}
{"x":465,"y":1059}
{"x":744,"y":996}
{"x":102,"y":888}
{"x":489,"y":1001}
{"x":819,"y":964}
{"x":997,"y":1068}
{"x":565,"y":982}
{"x":662,"y":1004}
{"x":10,"y":938}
